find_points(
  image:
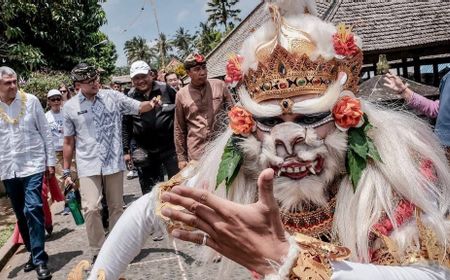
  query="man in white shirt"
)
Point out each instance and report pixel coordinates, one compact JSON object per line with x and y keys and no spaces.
{"x":56,"y":120}
{"x":25,"y":153}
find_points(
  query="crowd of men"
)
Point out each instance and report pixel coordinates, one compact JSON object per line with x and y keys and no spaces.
{"x":90,"y":139}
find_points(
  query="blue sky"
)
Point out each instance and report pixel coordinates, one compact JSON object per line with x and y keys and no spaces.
{"x":127,"y":19}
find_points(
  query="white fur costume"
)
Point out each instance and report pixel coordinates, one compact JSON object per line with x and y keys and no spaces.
{"x":401,"y":139}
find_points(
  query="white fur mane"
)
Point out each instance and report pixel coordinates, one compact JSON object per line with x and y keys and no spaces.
{"x":400,"y":138}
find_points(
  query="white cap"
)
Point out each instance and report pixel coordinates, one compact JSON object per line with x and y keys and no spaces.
{"x":53,"y":92}
{"x":139,"y":67}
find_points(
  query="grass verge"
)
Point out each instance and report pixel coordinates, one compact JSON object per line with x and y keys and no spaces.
{"x":5,"y":234}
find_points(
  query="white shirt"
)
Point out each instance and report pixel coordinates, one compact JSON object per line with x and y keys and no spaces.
{"x":25,"y":148}
{"x":55,"y":122}
{"x":97,"y":125}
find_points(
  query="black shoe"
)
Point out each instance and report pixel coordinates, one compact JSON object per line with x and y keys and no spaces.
{"x":43,"y":272}
{"x":49,"y":231}
{"x":29,"y":266}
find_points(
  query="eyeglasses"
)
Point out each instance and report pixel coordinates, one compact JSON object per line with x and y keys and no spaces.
{"x":91,"y":81}
{"x":63,"y":91}
{"x":55,"y":99}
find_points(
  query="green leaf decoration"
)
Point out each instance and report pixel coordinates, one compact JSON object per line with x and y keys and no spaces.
{"x":373,"y":152}
{"x":358,"y":142}
{"x":360,"y":148}
{"x":230,"y":163}
{"x":355,"y":167}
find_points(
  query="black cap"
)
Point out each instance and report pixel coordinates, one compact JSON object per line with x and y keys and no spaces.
{"x":83,"y":72}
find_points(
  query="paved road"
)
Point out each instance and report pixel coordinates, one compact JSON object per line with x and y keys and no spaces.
{"x":166,"y":259}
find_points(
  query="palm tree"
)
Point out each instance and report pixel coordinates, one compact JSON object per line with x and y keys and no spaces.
{"x":222,"y":12}
{"x":138,"y":49}
{"x":207,"y":38}
{"x":163,"y":46}
{"x":183,"y":41}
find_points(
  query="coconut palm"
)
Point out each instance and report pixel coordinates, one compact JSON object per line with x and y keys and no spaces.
{"x":138,"y":49}
{"x":222,"y":12}
{"x":183,"y":41}
{"x":207,"y":38}
{"x":164,"y":47}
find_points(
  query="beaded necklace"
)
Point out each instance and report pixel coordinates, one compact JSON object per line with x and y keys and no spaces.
{"x":23,"y":107}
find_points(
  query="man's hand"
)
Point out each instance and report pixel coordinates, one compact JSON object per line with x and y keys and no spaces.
{"x":182,"y":164}
{"x":127,"y":158}
{"x":149,"y":105}
{"x":68,"y":182}
{"x":247,"y":234}
{"x":50,"y":170}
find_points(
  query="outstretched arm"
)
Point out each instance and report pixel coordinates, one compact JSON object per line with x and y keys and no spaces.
{"x":128,"y":237}
{"x":415,"y":101}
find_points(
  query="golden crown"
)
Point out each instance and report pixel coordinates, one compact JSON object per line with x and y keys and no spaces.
{"x":285,"y":72}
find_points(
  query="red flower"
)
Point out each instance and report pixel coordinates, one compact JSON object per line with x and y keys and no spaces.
{"x":199,"y":58}
{"x":344,"y":41}
{"x":241,"y":121}
{"x":234,"y":73}
{"x":347,"y":113}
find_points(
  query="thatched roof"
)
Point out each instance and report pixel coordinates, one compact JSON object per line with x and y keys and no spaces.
{"x":383,"y":25}
{"x":374,"y":90}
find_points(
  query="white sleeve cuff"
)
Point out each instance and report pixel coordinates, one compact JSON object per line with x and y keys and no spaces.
{"x":284,"y":270}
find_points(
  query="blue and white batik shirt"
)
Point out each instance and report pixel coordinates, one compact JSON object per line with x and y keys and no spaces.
{"x":97,"y":125}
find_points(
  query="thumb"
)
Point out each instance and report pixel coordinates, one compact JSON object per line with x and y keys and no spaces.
{"x":265,"y":188}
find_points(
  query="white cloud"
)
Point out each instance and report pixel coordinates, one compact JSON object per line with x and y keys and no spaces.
{"x":183,"y":15}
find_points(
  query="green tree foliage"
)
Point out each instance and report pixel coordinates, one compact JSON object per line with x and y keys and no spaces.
{"x":207,"y":38}
{"x":53,"y":34}
{"x":163,"y":47}
{"x":40,"y":82}
{"x":222,"y":12}
{"x":138,"y":49}
{"x":183,"y":42}
{"x":121,"y":71}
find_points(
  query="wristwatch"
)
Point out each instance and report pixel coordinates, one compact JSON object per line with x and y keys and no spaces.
{"x":66,"y":173}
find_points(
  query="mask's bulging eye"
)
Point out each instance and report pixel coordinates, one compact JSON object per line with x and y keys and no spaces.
{"x":314,"y":120}
{"x":266,"y":124}
{"x":270,"y":122}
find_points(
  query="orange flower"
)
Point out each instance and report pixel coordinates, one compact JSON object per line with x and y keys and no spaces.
{"x":241,"y":121}
{"x":347,"y":113}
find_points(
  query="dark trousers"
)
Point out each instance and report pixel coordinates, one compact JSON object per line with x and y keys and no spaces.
{"x":150,"y":173}
{"x":26,"y":200}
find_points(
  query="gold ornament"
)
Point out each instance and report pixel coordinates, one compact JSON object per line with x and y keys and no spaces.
{"x":285,"y":69}
{"x":428,"y":250}
{"x":316,"y":223}
{"x":167,"y":187}
{"x":23,"y":108}
{"x":78,"y":272}
{"x":314,"y":260}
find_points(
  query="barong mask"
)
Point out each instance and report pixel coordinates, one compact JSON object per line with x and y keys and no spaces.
{"x":296,"y":77}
